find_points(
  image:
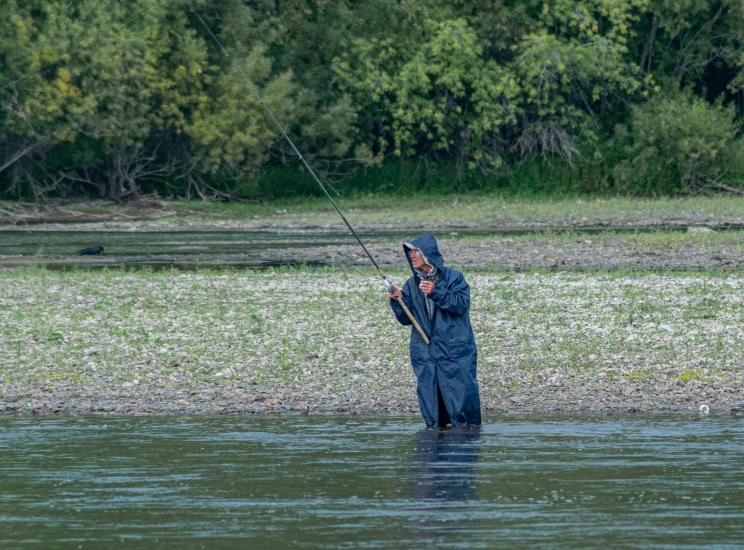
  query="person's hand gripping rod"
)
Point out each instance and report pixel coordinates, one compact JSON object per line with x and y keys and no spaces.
{"x":391,"y":289}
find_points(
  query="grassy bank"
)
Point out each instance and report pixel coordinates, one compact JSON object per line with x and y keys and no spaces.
{"x":324,"y":340}
{"x":486,"y":209}
{"x":399,"y":211}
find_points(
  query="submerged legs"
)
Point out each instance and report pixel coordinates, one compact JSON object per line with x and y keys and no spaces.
{"x":444,"y":417}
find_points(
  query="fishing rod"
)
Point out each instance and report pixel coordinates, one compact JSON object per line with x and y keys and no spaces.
{"x":388,"y":285}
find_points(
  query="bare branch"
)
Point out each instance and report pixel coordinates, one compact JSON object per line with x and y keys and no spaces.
{"x":682,"y":63}
{"x":24,"y":150}
{"x":724,"y":187}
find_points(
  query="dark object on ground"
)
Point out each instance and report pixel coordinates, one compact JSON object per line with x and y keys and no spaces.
{"x":91,"y":250}
{"x":446,"y":368}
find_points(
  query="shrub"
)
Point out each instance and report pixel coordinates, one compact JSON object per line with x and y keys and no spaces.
{"x":680,"y":142}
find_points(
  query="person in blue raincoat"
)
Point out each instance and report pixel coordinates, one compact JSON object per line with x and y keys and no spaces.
{"x":439,"y":299}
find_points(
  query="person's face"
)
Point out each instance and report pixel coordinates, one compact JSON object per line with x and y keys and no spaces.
{"x":417,"y":260}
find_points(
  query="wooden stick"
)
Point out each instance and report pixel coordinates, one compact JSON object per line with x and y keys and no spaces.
{"x":415,"y":323}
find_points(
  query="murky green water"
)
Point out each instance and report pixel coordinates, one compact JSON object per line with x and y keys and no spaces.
{"x":194,"y":249}
{"x":128,"y":243}
{"x":181,"y":249}
{"x":353,"y":482}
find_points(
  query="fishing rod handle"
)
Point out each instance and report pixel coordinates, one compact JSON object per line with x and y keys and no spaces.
{"x":415,"y":323}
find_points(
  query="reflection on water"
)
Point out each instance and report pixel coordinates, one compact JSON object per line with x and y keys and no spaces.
{"x":443,"y":474}
{"x":444,"y":463}
{"x":377,"y":482}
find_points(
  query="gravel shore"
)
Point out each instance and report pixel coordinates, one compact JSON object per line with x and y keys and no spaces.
{"x":568,"y":251}
{"x":311,"y":342}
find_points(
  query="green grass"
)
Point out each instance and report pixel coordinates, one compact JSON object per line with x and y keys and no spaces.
{"x":475,"y":207}
{"x":472,"y":209}
{"x":180,"y":331}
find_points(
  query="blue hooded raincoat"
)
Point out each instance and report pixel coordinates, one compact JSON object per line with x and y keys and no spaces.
{"x":446,"y":367}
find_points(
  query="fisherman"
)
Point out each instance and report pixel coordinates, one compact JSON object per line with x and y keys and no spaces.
{"x":439,"y":298}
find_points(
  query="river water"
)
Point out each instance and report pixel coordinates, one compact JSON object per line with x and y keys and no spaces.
{"x":161,"y":249}
{"x":371,"y":482}
{"x":227,"y":248}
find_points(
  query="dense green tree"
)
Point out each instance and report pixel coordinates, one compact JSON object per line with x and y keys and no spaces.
{"x":114,"y":99}
{"x":89,"y":86}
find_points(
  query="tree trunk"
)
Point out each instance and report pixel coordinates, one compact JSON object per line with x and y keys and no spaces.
{"x":649,"y":49}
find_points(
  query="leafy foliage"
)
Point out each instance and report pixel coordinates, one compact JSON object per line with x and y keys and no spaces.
{"x":116,"y":99}
{"x":680,"y":140}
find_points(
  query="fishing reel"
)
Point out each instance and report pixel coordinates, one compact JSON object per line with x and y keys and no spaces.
{"x":388,"y":285}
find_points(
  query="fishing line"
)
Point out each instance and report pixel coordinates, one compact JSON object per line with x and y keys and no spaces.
{"x":387,"y":283}
{"x":281,"y":129}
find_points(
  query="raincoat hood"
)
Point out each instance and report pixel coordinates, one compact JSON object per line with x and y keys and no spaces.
{"x":427,"y":244}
